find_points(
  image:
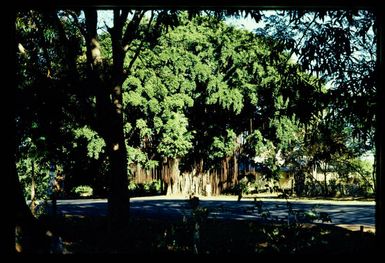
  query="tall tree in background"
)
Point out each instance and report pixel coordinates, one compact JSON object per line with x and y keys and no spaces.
{"x":229,"y":84}
{"x":342,"y":47}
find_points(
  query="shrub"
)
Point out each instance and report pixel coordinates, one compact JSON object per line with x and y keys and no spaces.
{"x":144,"y":189}
{"x":82,"y":191}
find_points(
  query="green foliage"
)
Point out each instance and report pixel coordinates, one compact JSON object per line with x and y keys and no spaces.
{"x":355,"y":177}
{"x":227,"y":75}
{"x":141,"y":125}
{"x":135,"y":155}
{"x":82,"y":191}
{"x":175,"y":140}
{"x":41,"y":120}
{"x":288,"y":131}
{"x":200,"y":90}
{"x":220,"y":93}
{"x":339,"y":46}
{"x":32,"y":161}
{"x":151,"y":164}
{"x":144,"y":189}
{"x":41,"y":177}
{"x":262,"y":148}
{"x":95,"y":144}
{"x":223,"y":146}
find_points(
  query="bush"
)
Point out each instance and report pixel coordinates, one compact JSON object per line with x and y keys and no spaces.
{"x":82,"y":191}
{"x":145,"y":189}
{"x":153,"y":187}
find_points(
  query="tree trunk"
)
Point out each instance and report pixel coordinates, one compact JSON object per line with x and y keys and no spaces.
{"x":224,"y":177}
{"x":28,"y":234}
{"x":119,"y":199}
{"x":374,"y":175}
{"x":110,"y":116}
{"x":52,"y":179}
{"x":173,"y":182}
{"x":325,"y":185}
{"x":235,"y":169}
{"x":299,"y":182}
{"x":314,"y":170}
{"x":33,"y":188}
{"x":118,"y":202}
{"x":326,"y":192}
{"x":118,"y":196}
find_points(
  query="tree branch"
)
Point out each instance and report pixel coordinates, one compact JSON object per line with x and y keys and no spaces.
{"x":120,"y":16}
{"x":132,"y":27}
{"x":303,"y":35}
{"x":91,"y":23}
{"x":69,"y":55}
{"x":91,"y":17}
{"x":137,"y":52}
{"x":77,"y":23}
{"x":44,"y":44}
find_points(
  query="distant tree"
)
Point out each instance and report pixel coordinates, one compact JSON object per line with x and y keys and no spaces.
{"x":229,"y":83}
{"x":339,"y":47}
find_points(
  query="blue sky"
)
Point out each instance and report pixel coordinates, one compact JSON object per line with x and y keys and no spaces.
{"x":105,"y":17}
{"x":246,"y":23}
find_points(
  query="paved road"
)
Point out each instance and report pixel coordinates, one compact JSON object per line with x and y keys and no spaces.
{"x":350,"y":214}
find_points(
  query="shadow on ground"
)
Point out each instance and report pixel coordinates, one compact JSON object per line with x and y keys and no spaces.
{"x":216,"y":227}
{"x":341,"y":213}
